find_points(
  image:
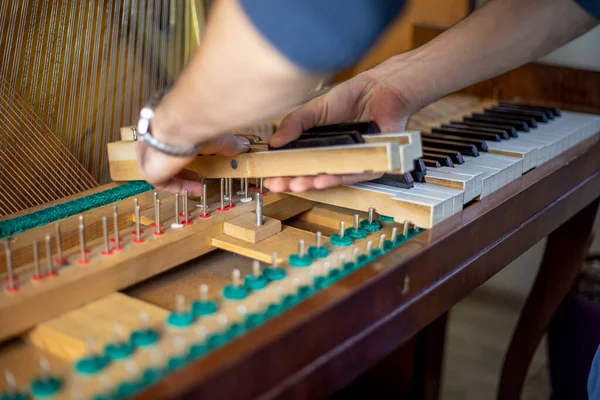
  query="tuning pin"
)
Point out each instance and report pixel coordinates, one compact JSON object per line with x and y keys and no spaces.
{"x":37,"y":275}
{"x":158,"y":231}
{"x":107,"y":251}
{"x":60,"y":260}
{"x":259,"y":216}
{"x":49,"y":268}
{"x":116,"y":239}
{"x":356,"y":222}
{"x":222,"y":208}
{"x":382,"y":242}
{"x":176,"y":224}
{"x":371,"y":214}
{"x":369,"y":247}
{"x":180,"y":304}
{"x":204,"y":293}
{"x":405,"y":228}
{"x":394,"y":235}
{"x":82,"y":250}
{"x":342,"y":229}
{"x":205,"y":213}
{"x":318,"y":240}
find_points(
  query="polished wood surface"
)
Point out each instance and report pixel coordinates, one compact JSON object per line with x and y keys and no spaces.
{"x":395,"y":297}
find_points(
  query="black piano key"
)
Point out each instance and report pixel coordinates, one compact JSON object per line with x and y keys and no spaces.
{"x":455,"y":156}
{"x":555,"y":111}
{"x":311,"y":140}
{"x":501,"y":134}
{"x":419,"y":171}
{"x":500,"y":114}
{"x":481,"y":145}
{"x":443,"y":159}
{"x":464,"y":148}
{"x":466,"y":133}
{"x":510,"y":131}
{"x":404,"y":181}
{"x":539,"y":116}
{"x":518,"y":125}
{"x":360,"y":127}
{"x":431,"y":163}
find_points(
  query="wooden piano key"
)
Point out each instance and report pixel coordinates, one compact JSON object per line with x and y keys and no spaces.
{"x":478,"y":143}
{"x":528,"y":154}
{"x":499,"y":114}
{"x":470,"y":186}
{"x":518,"y":125}
{"x":431,"y":163}
{"x":486,"y":179}
{"x":458,"y":195}
{"x":456,"y":156}
{"x":463,"y":148}
{"x":555,"y":111}
{"x":539,"y":116}
{"x":467,"y":133}
{"x":510,"y":130}
{"x":443,"y":159}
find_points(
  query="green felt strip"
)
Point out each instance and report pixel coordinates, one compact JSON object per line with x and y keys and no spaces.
{"x":23,"y":223}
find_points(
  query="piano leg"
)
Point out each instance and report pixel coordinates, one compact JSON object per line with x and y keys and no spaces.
{"x":565,"y":252}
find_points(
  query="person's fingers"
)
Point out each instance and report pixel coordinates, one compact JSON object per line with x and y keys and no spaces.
{"x":301,"y":184}
{"x":304,"y":183}
{"x":158,"y":168}
{"x":226,"y":145}
{"x":277,"y":185}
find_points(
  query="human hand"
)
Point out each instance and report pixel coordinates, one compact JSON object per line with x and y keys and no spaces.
{"x":169,"y":174}
{"x":376,"y":95}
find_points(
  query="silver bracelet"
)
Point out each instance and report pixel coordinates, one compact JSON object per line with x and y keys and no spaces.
{"x":143,"y":130}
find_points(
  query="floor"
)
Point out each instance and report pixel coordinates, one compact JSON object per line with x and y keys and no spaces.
{"x":479,"y":331}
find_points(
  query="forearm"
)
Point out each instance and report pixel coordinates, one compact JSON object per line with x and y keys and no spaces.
{"x":234,"y":79}
{"x":500,"y":36}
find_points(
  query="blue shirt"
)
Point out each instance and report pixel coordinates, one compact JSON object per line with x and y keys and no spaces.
{"x":591,"y":6}
{"x":594,"y":378}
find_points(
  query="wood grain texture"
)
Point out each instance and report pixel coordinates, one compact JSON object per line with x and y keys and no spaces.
{"x":244,"y":228}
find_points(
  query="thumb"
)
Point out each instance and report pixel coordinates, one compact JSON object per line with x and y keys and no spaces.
{"x":330,"y":108}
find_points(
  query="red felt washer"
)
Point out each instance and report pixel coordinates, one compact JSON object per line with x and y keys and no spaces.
{"x":15,"y":279}
{"x":113,"y":240}
{"x":187,"y":223}
{"x":222,"y":209}
{"x":264,"y":194}
{"x":52,"y":274}
{"x":158,"y":233}
{"x":202,"y":216}
{"x":230,"y":207}
{"x":153,"y":226}
{"x":61,"y":261}
{"x":37,"y":278}
{"x":134,"y":233}
{"x":138,"y":241}
{"x":83,"y":262}
{"x":117,"y":248}
{"x":106,"y":253}
{"x":87,"y":251}
{"x":254,"y":188}
{"x":13,"y":289}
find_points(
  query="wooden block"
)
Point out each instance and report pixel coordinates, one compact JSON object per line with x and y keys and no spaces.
{"x":375,"y":157}
{"x":284,"y":243}
{"x":126,"y":133}
{"x":244,"y":228}
{"x":66,"y":336}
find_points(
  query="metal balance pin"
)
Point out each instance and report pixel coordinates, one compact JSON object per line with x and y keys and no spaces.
{"x":369,"y":247}
{"x":37,"y":275}
{"x":117,"y":239}
{"x":230,"y":186}
{"x":107,"y":251}
{"x":59,"y":256}
{"x":158,"y":230}
{"x":82,"y":250}
{"x":355,"y":254}
{"x":205,"y":213}
{"x":260,"y":186}
{"x":259,"y":216}
{"x":274,"y":260}
{"x":256,"y":268}
{"x":371,"y":212}
{"x":222,"y":208}
{"x":204,"y":293}
{"x":241,"y":191}
{"x":176,"y":224}
{"x":237,"y":282}
{"x":49,"y":270}
{"x":138,"y":232}
{"x":342,"y":229}
{"x":301,"y":250}
{"x":318,"y":244}
{"x":382,"y":242}
{"x":156,"y":211}
{"x":10,"y":282}
{"x":356,"y":222}
{"x":394,"y":235}
{"x":405,"y":228}
{"x":185,"y":208}
{"x":246,"y":198}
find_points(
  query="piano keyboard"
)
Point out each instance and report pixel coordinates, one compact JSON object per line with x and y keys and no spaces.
{"x":466,"y":159}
